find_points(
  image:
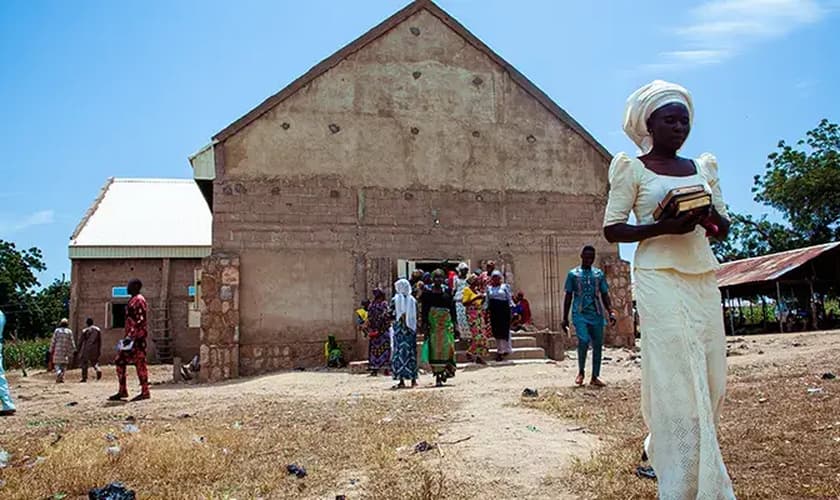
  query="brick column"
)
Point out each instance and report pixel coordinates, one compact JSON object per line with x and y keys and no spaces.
{"x":617,"y":272}
{"x":219,"y":351}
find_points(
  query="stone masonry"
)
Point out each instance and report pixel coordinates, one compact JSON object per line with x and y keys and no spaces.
{"x":219,"y":353}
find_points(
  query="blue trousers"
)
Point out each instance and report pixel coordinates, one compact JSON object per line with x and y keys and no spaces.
{"x":589,"y":329}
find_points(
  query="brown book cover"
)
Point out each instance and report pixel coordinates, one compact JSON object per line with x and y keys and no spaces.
{"x":682,"y":199}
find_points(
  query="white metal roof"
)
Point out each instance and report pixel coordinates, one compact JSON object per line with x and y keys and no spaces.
{"x":145,"y":218}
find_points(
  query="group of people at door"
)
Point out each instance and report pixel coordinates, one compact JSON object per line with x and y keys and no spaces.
{"x":442,"y":308}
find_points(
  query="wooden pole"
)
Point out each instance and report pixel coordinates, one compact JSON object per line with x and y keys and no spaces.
{"x":731,"y":320}
{"x":813,"y":304}
{"x":779,"y":307}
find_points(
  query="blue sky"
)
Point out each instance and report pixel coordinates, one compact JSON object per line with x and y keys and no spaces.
{"x":92,"y":89}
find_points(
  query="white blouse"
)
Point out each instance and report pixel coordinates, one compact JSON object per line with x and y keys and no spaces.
{"x":634,"y":187}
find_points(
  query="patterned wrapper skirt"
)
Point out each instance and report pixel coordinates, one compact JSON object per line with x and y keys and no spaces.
{"x":683,"y":381}
{"x":479,"y":331}
{"x":404,"y":352}
{"x":463,"y":320}
{"x":441,"y":341}
{"x":379,"y":351}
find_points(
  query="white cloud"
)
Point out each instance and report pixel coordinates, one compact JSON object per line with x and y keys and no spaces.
{"x":720,"y":29}
{"x":39,"y":218}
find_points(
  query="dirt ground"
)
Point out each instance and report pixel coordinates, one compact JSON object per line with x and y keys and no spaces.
{"x":354,"y":434}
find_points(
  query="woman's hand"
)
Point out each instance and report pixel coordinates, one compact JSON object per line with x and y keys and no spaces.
{"x":682,"y":224}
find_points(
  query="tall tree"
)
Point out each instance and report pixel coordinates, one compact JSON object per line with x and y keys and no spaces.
{"x":801,"y":182}
{"x":30,"y":311}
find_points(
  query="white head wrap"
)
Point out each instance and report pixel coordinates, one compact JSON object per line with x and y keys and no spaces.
{"x":497,"y":273}
{"x":643,"y":102}
{"x":463,"y":266}
{"x":404,"y":303}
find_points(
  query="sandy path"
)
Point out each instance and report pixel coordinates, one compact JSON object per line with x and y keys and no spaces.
{"x":511,"y":450}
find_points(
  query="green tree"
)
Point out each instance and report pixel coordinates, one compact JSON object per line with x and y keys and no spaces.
{"x":30,"y":311}
{"x":18,"y":282}
{"x":801,"y":182}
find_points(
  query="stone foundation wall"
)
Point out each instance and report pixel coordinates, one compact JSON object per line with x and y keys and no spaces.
{"x":219,"y":352}
{"x":617,"y":272}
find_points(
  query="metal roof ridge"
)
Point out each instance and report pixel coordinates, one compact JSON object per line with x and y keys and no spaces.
{"x":92,"y":209}
{"x":776,"y":254}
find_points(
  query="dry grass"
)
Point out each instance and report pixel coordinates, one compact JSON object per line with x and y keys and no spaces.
{"x":360,"y":447}
{"x":787,"y":446}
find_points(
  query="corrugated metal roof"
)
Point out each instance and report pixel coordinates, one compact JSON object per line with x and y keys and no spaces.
{"x":146,"y":213}
{"x":768,"y":267}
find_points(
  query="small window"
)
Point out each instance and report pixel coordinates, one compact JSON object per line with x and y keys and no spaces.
{"x":117,"y":315}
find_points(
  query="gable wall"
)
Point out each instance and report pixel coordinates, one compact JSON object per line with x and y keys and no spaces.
{"x":320,"y":216}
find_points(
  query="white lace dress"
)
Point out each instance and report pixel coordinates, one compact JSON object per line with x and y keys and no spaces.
{"x":683,"y":344}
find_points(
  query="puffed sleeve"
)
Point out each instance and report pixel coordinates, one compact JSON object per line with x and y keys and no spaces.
{"x":623,"y":189}
{"x":709,"y":165}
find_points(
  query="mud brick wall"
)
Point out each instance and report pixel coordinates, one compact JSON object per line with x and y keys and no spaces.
{"x":90,"y":295}
{"x":417,"y":146}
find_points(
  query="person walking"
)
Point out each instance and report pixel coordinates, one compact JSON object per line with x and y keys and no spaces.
{"x":440,"y":323}
{"x":63,"y":348}
{"x":133,"y":346}
{"x":404,"y":340}
{"x":587,"y":294}
{"x":479,"y":329}
{"x":90,"y":347}
{"x":379,"y":343}
{"x":7,"y":406}
{"x":459,"y":284}
{"x":498,"y":304}
{"x":683,"y":344}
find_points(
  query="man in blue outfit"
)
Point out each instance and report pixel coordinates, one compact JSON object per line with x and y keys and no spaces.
{"x":587,"y":294}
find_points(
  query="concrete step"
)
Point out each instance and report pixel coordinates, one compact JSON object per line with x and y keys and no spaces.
{"x":517,"y":341}
{"x":519,"y":353}
{"x":518,"y":356}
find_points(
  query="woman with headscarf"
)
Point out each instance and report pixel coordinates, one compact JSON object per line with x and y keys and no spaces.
{"x":439,"y":324}
{"x":404,"y":339}
{"x":684,"y":362}
{"x":498,"y":305}
{"x":478,"y":327}
{"x":459,"y":285}
{"x":378,"y":323}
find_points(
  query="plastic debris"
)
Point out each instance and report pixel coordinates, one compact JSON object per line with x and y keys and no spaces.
{"x":236,"y":426}
{"x":533,"y":428}
{"x":297,"y":470}
{"x":113,"y":451}
{"x":36,"y":462}
{"x":110,"y":437}
{"x":72,"y":403}
{"x":113,"y":491}
{"x":762,"y":400}
{"x":4,"y":458}
{"x":828,"y":376}
{"x":646,"y":472}
{"x":530,"y":393}
{"x":131,"y":429}
{"x":815,"y":390}
{"x":199,"y":439}
{"x":423,"y":446}
{"x":576,"y":428}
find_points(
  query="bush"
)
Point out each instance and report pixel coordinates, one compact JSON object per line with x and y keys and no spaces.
{"x":34,"y":353}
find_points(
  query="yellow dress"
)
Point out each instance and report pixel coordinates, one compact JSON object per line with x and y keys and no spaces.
{"x":682,"y":333}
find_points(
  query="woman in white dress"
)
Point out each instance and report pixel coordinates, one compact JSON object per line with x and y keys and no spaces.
{"x":683,"y":345}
